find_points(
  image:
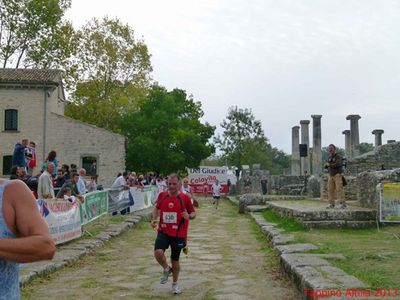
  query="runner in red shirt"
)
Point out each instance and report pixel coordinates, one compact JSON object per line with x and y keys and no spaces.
{"x":171,"y":217}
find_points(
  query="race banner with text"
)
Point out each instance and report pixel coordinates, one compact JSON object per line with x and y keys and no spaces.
{"x":390,"y":203}
{"x":201,"y":179}
{"x":95,"y":205}
{"x":135,"y":198}
{"x":63,"y":219}
{"x":119,"y":199}
{"x":143,"y":197}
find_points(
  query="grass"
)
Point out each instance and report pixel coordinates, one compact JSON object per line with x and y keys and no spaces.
{"x":288,"y":225}
{"x":371,"y":255}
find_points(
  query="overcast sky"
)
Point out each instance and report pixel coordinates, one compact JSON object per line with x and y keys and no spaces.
{"x":286,"y":60}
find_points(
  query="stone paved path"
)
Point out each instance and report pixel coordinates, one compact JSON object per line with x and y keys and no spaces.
{"x":227,"y":260}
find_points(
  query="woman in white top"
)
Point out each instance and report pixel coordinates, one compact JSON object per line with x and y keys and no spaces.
{"x":186,"y":189}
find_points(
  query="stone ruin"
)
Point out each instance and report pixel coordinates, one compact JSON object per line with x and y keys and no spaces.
{"x":363,"y":172}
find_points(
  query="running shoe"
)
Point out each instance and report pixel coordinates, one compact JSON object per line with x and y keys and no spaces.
{"x":176,"y":289}
{"x":165,"y":275}
{"x":330,"y":206}
{"x":342,"y":206}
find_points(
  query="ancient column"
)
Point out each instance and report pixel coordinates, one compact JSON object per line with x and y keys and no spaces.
{"x":317,"y":154}
{"x":305,"y":139}
{"x":378,"y":137}
{"x":354,"y":135}
{"x":295,"y":151}
{"x":347,"y":143}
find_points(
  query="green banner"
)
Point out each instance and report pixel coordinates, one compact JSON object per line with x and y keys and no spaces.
{"x":390,"y":203}
{"x":95,"y":205}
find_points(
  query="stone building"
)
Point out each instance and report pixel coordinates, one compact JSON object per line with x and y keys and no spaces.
{"x":32,"y":105}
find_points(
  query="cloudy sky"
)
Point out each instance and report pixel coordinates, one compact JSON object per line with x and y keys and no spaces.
{"x":286,"y":59}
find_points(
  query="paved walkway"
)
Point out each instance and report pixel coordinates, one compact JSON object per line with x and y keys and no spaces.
{"x":227,"y":260}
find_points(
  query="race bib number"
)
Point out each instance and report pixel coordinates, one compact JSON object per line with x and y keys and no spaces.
{"x":170,"y":217}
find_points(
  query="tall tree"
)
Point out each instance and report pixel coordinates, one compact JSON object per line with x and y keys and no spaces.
{"x":243,"y":142}
{"x":165,"y":135}
{"x":110,"y":75}
{"x":28,"y":28}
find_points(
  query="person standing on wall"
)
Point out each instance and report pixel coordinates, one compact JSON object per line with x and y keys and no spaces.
{"x":18,"y":158}
{"x":30,"y":156}
{"x":171,"y":217}
{"x":335,"y":180}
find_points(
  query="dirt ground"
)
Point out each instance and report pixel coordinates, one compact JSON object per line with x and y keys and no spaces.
{"x":228,"y":259}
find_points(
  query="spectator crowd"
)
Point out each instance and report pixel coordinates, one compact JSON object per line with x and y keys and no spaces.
{"x":66,"y":181}
{"x":52,"y":180}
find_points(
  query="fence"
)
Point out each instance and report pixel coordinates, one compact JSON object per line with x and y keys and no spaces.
{"x":65,"y":219}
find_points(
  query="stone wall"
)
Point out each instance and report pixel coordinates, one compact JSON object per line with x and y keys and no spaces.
{"x":366,"y":185}
{"x":73,"y":140}
{"x":350,"y":189}
{"x":385,"y":156}
{"x":362,"y":188}
{"x":29,"y":104}
{"x":255,"y":178}
{"x":314,"y":187}
{"x":287,"y":184}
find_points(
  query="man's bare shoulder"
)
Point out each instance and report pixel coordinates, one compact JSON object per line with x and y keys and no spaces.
{"x":14,"y":185}
{"x":16,"y":188}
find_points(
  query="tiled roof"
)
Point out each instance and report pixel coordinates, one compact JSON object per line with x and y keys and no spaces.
{"x":30,"y":76}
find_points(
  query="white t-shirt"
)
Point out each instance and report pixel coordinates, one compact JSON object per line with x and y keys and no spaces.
{"x":186,"y":190}
{"x":119,"y":182}
{"x":162,"y":185}
{"x":216,"y":189}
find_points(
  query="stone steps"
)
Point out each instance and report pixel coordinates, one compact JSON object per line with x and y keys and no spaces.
{"x":313,"y":213}
{"x":339,"y":224}
{"x":324,"y":214}
{"x":310,"y":272}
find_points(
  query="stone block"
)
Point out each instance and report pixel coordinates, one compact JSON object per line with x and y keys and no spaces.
{"x":298,"y":260}
{"x":293,"y":248}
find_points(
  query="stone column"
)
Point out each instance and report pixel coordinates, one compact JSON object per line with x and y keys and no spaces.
{"x":347,"y":143}
{"x":378,"y":137}
{"x":305,"y":139}
{"x":317,"y":154}
{"x":295,"y":151}
{"x":354,"y":135}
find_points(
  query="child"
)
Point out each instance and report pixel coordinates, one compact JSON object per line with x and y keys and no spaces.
{"x":68,"y":195}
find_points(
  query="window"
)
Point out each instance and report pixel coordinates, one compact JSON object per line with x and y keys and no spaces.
{"x":7,"y":164}
{"x":11,"y":119}
{"x":89,"y":163}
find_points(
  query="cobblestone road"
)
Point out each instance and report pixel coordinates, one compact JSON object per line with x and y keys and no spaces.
{"x":228,"y":259}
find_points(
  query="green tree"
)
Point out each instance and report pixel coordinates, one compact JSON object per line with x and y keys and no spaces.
{"x":111,"y":73}
{"x":213,"y":160}
{"x":280,"y":161}
{"x":365,"y":147}
{"x":28,"y":28}
{"x":243,"y":142}
{"x":165,"y":135}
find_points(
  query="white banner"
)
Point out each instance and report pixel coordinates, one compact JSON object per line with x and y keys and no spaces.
{"x":201,"y":179}
{"x":63,"y":219}
{"x":143,"y":197}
